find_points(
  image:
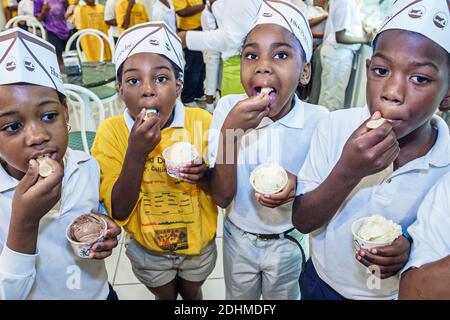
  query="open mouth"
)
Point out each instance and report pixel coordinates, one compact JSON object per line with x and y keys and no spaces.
{"x":150,"y":110}
{"x":267,"y":90}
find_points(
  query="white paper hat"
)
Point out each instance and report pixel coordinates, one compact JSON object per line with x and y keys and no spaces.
{"x":427,"y":17}
{"x":290,"y":17}
{"x":154,"y":37}
{"x":27,"y":58}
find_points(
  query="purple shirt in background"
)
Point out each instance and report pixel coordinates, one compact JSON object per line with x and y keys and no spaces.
{"x":54,"y":21}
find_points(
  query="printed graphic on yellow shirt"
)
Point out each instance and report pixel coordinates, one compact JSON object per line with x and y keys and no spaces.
{"x":172,"y":239}
{"x":92,"y":17}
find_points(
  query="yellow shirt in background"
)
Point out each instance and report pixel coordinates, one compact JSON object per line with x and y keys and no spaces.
{"x":92,"y":17}
{"x":138,"y":14}
{"x":12,"y":12}
{"x":170,"y":214}
{"x":192,"y":22}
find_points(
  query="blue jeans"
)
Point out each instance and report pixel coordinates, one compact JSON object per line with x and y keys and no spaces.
{"x":314,"y":288}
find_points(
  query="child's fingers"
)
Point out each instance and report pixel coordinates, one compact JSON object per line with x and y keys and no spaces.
{"x":380,"y":260}
{"x":195,"y":178}
{"x":30,"y":177}
{"x":139,"y":120}
{"x":197,"y":169}
{"x":268,"y":202}
{"x":100,"y":255}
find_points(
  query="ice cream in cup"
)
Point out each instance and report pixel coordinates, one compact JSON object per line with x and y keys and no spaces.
{"x":374,"y":231}
{"x":84,"y":232}
{"x":177,"y":156}
{"x":268,"y":178}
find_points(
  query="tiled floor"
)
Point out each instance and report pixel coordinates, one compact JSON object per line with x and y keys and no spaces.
{"x":129,"y":288}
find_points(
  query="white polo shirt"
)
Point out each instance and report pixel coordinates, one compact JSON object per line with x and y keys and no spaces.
{"x":343,"y":15}
{"x":236,"y":21}
{"x":54,"y":272}
{"x":393,"y":194}
{"x":285,"y":142}
{"x":430,"y":232}
{"x":110,"y":13}
{"x":161,"y":13}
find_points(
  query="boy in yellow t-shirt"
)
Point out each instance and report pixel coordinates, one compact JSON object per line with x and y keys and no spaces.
{"x":90,"y":16}
{"x":172,"y":221}
{"x":130,"y":13}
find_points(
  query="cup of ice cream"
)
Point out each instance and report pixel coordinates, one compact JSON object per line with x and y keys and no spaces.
{"x":374,"y":231}
{"x":84,"y":232}
{"x":268,"y":178}
{"x":179,"y":155}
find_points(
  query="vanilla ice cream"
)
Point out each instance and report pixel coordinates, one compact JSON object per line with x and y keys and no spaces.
{"x":45,"y":169}
{"x":379,"y":229}
{"x":268,"y":178}
{"x":181,"y":152}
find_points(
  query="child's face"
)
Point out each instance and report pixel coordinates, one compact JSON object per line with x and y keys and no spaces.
{"x":271,"y":57}
{"x":148,"y":81}
{"x":407,"y":80}
{"x":33,"y":123}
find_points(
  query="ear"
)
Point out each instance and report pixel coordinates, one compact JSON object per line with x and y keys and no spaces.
{"x":306,"y":74}
{"x":179,"y":87}
{"x":368,"y":61}
{"x":445,"y":103}
{"x":66,"y":110}
{"x":120,"y":89}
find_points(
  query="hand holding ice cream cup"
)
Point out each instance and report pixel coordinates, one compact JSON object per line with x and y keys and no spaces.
{"x":183,"y":161}
{"x":92,"y":236}
{"x":274,"y":186}
{"x":374,"y":231}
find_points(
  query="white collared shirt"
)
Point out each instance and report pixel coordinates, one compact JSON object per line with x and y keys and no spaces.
{"x":343,"y":15}
{"x":285,"y":142}
{"x":393,"y":194}
{"x":161,"y":13}
{"x":236,"y":21}
{"x":178,"y":117}
{"x":430,"y":232}
{"x":54,"y":272}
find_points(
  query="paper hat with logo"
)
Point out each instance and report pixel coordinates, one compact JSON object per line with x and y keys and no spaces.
{"x":427,"y":17}
{"x":289,"y":17}
{"x":27,"y":58}
{"x":150,"y":37}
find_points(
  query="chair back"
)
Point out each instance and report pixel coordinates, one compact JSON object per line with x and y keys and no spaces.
{"x":82,"y":97}
{"x":100,"y":36}
{"x":34,"y":25}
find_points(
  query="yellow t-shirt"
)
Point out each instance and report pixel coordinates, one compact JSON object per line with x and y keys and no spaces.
{"x":188,"y":23}
{"x":92,"y":17}
{"x":170,"y":214}
{"x":138,"y":14}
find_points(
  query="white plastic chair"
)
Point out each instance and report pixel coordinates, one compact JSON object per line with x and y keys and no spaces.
{"x":111,"y":99}
{"x":100,"y":36}
{"x":34,"y":25}
{"x":83,"y":97}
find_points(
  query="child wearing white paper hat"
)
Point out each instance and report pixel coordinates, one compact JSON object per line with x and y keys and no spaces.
{"x":36,"y":261}
{"x":263,"y":254}
{"x":353,"y":171}
{"x":172,"y":222}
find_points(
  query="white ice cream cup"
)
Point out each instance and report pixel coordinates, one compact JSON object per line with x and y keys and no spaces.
{"x":269,"y":166}
{"x":359,"y":243}
{"x":82,"y":249}
{"x":173,"y":165}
